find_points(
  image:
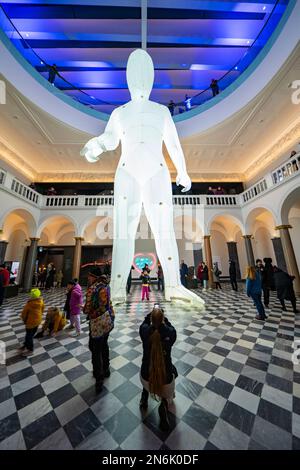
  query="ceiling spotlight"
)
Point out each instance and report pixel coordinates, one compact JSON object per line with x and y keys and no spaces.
{"x":42,"y":63}
{"x":27,"y":35}
{"x":264,"y":7}
{"x":248,"y":42}
{"x":235,"y":68}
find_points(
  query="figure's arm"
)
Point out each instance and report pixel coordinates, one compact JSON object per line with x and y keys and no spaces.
{"x":173,"y":145}
{"x":109,"y":140}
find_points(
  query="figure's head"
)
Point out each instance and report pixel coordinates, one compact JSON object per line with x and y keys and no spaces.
{"x":140,"y":75}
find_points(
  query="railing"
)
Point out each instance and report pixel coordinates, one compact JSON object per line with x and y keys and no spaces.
{"x":254,"y":191}
{"x":220,"y":200}
{"x":288,"y":169}
{"x":2,"y":177}
{"x":61,"y":201}
{"x":95,"y":201}
{"x":25,"y":192}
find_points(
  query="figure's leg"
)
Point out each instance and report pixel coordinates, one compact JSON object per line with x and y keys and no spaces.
{"x":127,"y":211}
{"x":158,"y":205}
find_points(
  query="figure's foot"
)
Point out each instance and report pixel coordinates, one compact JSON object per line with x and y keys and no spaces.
{"x":181,"y":293}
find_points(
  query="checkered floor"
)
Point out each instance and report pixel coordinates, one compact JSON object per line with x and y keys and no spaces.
{"x":237,"y":387}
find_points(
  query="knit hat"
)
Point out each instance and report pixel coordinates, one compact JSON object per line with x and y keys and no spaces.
{"x":35,"y":293}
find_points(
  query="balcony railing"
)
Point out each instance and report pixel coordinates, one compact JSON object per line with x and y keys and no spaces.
{"x":285,"y":171}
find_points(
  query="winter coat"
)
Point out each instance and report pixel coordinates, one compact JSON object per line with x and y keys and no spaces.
{"x":253,"y":287}
{"x":99,"y":309}
{"x":145,"y":280}
{"x":284,"y":285}
{"x":76,"y":300}
{"x":32,"y":313}
{"x":268,"y":276}
{"x":200,"y":272}
{"x":6,"y":276}
{"x":55,"y":320}
{"x":232,"y":271}
{"x":205,"y":273}
{"x":216,"y":274}
{"x":168,"y":338}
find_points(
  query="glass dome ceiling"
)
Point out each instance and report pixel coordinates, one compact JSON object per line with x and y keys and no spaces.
{"x":191,"y":43}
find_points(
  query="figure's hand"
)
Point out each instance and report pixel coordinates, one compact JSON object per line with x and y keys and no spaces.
{"x":92,"y":150}
{"x":185,"y":181}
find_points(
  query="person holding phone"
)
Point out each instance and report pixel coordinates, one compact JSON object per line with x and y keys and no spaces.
{"x":157,"y":372}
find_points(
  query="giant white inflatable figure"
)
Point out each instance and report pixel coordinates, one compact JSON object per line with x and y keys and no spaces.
{"x":142,"y":179}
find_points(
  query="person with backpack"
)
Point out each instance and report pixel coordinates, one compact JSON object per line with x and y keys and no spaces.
{"x":216,"y":276}
{"x":99,"y":310}
{"x":157,"y":371}
{"x":285,"y":289}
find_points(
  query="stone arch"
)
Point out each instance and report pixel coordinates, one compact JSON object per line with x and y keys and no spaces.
{"x":56,"y":222}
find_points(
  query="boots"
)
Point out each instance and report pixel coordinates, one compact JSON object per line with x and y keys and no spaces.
{"x":144,"y":399}
{"x":163,"y":414}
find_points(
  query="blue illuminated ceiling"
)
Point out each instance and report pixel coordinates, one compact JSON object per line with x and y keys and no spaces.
{"x":191,"y":43}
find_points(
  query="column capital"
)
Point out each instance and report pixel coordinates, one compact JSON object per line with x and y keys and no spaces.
{"x":34,"y":239}
{"x":4,"y":241}
{"x":232,"y":241}
{"x":283,"y":227}
{"x":206,"y":237}
{"x":249,"y":237}
{"x":79,"y":238}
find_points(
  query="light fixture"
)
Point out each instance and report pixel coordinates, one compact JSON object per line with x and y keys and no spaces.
{"x":264,"y":7}
{"x":42,"y":63}
{"x":27,"y":35}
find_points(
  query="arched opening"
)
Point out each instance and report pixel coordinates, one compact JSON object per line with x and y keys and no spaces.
{"x":261,"y":224}
{"x":227,"y":243}
{"x":290,"y":215}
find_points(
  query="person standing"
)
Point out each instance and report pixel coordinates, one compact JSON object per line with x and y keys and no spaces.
{"x":232,"y":275}
{"x":200,"y":274}
{"x":146,"y":268}
{"x":107,"y":269}
{"x":145,"y":284}
{"x":31,"y":315}
{"x":214,"y":87}
{"x":157,"y":371}
{"x":75,"y":304}
{"x":205,"y":275}
{"x":160,"y":278}
{"x":216,"y":275}
{"x":4,"y":281}
{"x":50,"y":276}
{"x":58,"y":278}
{"x":285,"y":289}
{"x":100,"y":312}
{"x":129,"y":280}
{"x":254,"y":289}
{"x":184,"y":270}
{"x":267,"y":274}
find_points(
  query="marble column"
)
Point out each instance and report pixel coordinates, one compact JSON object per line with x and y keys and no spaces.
{"x":279,"y":254}
{"x":30,"y":264}
{"x":289,"y":254}
{"x":77,"y":257}
{"x":208,"y":258}
{"x":233,"y":255}
{"x":3,"y":246}
{"x":249,"y":250}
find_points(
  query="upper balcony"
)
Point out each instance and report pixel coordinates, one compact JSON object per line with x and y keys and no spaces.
{"x":287,"y":171}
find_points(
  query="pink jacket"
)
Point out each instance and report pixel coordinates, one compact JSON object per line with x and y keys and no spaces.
{"x":76,"y":300}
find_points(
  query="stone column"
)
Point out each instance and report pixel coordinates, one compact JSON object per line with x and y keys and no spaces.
{"x":278,"y":250}
{"x":249,"y":250}
{"x":289,"y":254}
{"x":77,"y":257}
{"x":30,"y":264}
{"x":208,"y":258}
{"x":233,"y":255}
{"x":3,"y":246}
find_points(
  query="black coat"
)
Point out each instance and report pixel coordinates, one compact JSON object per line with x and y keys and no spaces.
{"x":168,"y":338}
{"x":205,"y":274}
{"x":267,"y":275}
{"x":284,"y":285}
{"x":232,"y":271}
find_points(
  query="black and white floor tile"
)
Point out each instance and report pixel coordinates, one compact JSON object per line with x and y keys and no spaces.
{"x":237,"y":387}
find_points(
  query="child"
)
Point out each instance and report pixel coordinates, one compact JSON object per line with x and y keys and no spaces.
{"x":145,"y":284}
{"x":32,"y":317}
{"x":54,"y":322}
{"x":76,"y":304}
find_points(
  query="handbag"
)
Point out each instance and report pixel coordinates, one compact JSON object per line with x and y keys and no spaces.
{"x":101,"y":325}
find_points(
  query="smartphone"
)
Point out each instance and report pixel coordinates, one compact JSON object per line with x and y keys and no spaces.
{"x":156,"y":306}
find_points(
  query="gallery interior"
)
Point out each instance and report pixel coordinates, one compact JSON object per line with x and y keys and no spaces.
{"x":223,"y":112}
